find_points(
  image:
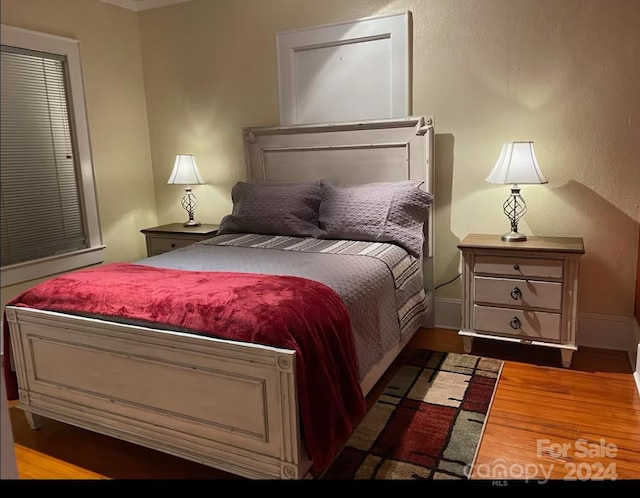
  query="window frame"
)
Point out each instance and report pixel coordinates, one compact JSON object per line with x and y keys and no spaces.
{"x":94,"y":253}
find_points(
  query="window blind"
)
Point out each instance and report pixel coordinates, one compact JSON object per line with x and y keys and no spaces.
{"x":41,"y":212}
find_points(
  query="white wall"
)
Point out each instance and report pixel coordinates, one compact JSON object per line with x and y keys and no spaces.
{"x":563,"y":73}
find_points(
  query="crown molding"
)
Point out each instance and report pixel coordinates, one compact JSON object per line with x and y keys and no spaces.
{"x":140,"y":5}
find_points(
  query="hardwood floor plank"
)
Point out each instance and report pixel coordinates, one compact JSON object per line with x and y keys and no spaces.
{"x":521,"y":447}
{"x":537,"y":411}
{"x":32,"y":465}
{"x":538,"y":407}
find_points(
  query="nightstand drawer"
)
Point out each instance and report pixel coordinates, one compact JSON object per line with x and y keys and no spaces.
{"x":520,"y":293}
{"x":531,"y":325}
{"x":523,"y":267}
{"x":166,"y":238}
{"x":164,"y":244}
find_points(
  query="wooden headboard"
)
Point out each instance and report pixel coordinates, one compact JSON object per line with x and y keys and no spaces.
{"x":348,"y":154}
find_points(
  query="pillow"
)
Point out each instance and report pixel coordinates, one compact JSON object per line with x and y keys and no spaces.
{"x":377,"y":212}
{"x":274,"y":209}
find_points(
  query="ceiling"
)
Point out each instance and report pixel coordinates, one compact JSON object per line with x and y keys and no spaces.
{"x":139,"y":5}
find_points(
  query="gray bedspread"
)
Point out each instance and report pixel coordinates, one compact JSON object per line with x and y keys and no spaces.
{"x":380,"y":284}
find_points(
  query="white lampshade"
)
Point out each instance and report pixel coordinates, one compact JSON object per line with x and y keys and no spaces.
{"x":185,"y":171}
{"x":516,"y":165}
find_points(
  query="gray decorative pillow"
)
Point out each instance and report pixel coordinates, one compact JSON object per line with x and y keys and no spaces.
{"x":378,"y":212}
{"x":274,"y":209}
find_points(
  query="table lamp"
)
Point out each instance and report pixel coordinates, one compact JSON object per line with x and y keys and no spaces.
{"x":517,"y":165}
{"x":185,"y":172}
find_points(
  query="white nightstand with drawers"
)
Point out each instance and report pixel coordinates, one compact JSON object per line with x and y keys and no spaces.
{"x":525,"y":292}
{"x":166,"y":238}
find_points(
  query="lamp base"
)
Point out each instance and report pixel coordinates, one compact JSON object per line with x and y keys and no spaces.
{"x":514,"y":237}
{"x":192,"y":223}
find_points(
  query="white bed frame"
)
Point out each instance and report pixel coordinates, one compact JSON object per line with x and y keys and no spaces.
{"x":226,"y":404}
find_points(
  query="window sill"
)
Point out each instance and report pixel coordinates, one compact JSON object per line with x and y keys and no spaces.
{"x":45,"y":267}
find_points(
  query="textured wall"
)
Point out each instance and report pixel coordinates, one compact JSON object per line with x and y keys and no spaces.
{"x":564,"y":73}
{"x":116,"y":108}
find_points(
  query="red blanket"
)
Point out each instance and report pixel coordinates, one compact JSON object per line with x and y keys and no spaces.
{"x":280,"y":311}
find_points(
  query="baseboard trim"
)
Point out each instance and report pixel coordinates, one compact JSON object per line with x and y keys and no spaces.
{"x":448,"y":313}
{"x":636,"y":361}
{"x":620,"y":333}
{"x":606,"y":332}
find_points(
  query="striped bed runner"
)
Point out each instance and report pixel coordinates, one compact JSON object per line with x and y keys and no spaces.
{"x":406,"y":269}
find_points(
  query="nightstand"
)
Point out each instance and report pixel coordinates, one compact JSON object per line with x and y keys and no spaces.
{"x":166,"y":238}
{"x":524,"y":292}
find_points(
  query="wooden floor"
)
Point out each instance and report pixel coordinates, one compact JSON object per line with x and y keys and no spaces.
{"x":580,"y":423}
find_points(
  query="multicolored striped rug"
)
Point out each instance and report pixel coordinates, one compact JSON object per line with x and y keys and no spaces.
{"x":427,"y":423}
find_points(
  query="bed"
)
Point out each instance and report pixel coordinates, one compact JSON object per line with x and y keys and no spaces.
{"x":252,"y":407}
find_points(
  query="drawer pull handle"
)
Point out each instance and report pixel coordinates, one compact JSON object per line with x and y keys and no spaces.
{"x":173,"y":245}
{"x":515,"y":323}
{"x":516,"y":294}
{"x":516,"y":267}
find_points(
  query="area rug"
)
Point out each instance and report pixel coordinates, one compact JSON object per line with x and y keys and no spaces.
{"x":426,"y":424}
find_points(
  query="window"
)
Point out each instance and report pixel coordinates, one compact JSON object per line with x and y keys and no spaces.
{"x":49,"y":216}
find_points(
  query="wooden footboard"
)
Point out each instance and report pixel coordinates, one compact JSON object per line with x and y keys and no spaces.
{"x":229,"y":405}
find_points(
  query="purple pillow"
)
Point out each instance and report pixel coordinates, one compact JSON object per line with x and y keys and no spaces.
{"x":378,"y":212}
{"x":274,"y":209}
